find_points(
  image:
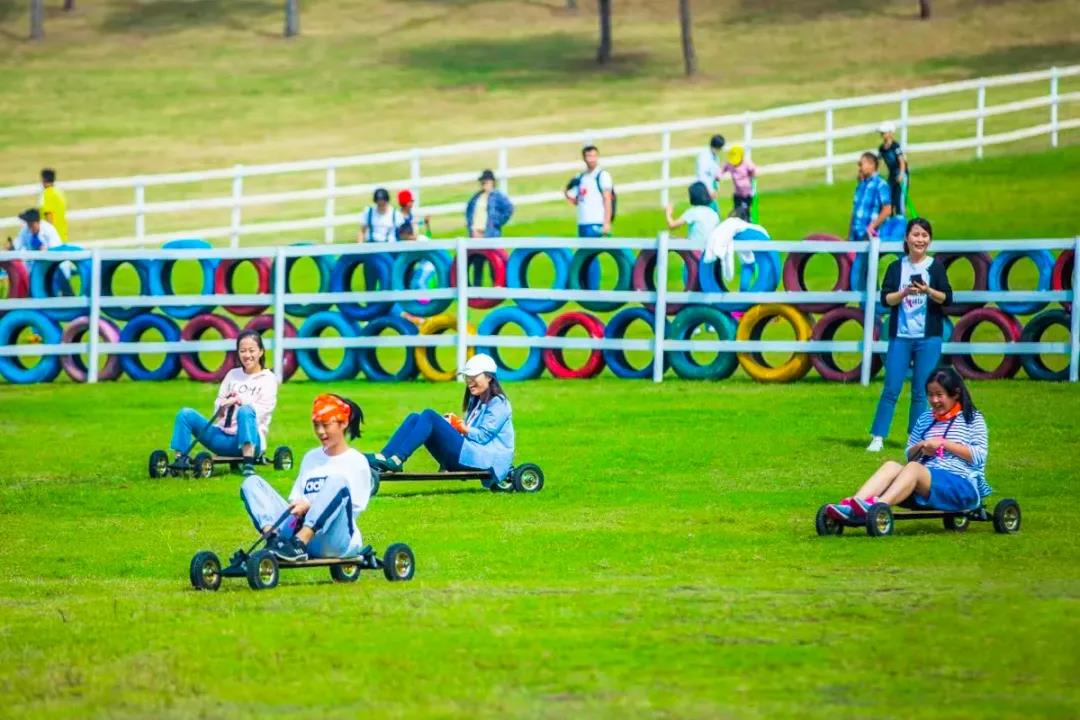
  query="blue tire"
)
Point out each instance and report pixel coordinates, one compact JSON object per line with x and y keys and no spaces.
{"x":133,"y":365}
{"x":313,"y":365}
{"x":517,"y":276}
{"x":616,"y":330}
{"x":324,"y":264}
{"x":145,"y":269}
{"x":1002,"y":265}
{"x":533,"y":326}
{"x":682,"y":328}
{"x":762,"y":275}
{"x":585,"y":274}
{"x":376,"y":270}
{"x":368,"y":357}
{"x":48,"y":366}
{"x":1033,"y":364}
{"x":402,"y":272}
{"x":48,"y":281}
{"x":161,"y":279}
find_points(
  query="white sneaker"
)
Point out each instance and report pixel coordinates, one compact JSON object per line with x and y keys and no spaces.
{"x":876,"y":444}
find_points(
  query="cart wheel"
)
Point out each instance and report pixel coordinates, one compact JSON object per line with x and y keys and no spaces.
{"x":528,"y":478}
{"x":205,"y":571}
{"x":504,"y":485}
{"x":203,"y":465}
{"x":283,"y":458}
{"x":375,"y":481}
{"x":825,"y":524}
{"x":1007,"y":516}
{"x":879,"y":520}
{"x":159,"y":464}
{"x":262,"y":571}
{"x":956,"y":523}
{"x":345,"y":573}
{"x":399,"y":563}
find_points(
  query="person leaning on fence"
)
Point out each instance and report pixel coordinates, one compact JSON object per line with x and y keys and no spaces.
{"x":488,"y":210}
{"x":895,"y":161}
{"x":917,"y":289}
{"x":37,"y":233}
{"x":700,"y":218}
{"x":872,"y":203}
{"x":53,"y":203}
{"x":593,"y":192}
{"x":742,"y":173}
{"x":381,"y":220}
{"x":707,"y":167}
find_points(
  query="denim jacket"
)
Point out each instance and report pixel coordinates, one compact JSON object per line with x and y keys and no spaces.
{"x":490,"y":440}
{"x":499,"y":211}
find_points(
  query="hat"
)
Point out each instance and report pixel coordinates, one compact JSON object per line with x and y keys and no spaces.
{"x":735,"y":154}
{"x":887,"y":127}
{"x":404,"y":197}
{"x":477,"y":365}
{"x":486,"y":175}
{"x":31,"y":215}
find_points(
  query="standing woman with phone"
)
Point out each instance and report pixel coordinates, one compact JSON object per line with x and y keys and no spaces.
{"x":916,"y":289}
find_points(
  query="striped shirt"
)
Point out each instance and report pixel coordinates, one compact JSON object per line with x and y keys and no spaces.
{"x":972,"y":435}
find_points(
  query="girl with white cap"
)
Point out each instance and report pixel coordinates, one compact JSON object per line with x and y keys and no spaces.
{"x":482,"y":440}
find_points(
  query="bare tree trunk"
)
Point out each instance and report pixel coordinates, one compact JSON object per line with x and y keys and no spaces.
{"x":924,"y":9}
{"x":689,"y":57}
{"x":292,"y":18}
{"x":571,"y":4}
{"x":603,"y":53}
{"x":69,"y":5}
{"x":37,"y":19}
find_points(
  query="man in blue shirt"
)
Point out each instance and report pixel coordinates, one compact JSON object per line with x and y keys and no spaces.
{"x":873,"y":203}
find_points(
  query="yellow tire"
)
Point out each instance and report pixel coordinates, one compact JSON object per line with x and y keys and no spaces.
{"x":752,"y":324}
{"x":426,"y":361}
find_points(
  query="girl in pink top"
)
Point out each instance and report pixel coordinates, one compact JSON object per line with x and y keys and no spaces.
{"x":742,"y":173}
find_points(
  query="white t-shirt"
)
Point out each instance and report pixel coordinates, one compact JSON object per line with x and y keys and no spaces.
{"x":702,"y":220}
{"x":47,"y":237}
{"x":707,"y":169}
{"x":590,"y":197}
{"x":382,"y":227}
{"x":912,"y":320}
{"x":258,"y":390}
{"x":350,"y":466}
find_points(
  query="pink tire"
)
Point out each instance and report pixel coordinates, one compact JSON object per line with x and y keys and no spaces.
{"x":644,"y":275}
{"x":223,"y":282}
{"x":965,"y":328}
{"x":194,"y":330}
{"x":74,"y":365}
{"x":265,"y":323}
{"x":794,"y":274}
{"x":825,"y":329}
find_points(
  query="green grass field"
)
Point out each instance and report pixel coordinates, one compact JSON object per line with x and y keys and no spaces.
{"x":669,"y":568}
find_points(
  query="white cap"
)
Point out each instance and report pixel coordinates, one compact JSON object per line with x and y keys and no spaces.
{"x":477,"y":365}
{"x":887,"y":127}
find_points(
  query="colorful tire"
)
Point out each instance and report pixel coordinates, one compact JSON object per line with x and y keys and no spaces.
{"x":18,"y":278}
{"x":553,"y":357}
{"x":751,"y":327}
{"x":980,"y":266}
{"x":644,"y":275}
{"x":73,"y":364}
{"x":476,"y":260}
{"x":517,"y":276}
{"x":1033,"y":363}
{"x":225,"y":274}
{"x":376,"y":268}
{"x":161,"y":279}
{"x":825,"y":329}
{"x":195,"y":328}
{"x":533,"y":326}
{"x":965,"y":328}
{"x":324,"y":264}
{"x":310,"y":361}
{"x":427,"y":361}
{"x":682,"y":328}
{"x":616,"y":330}
{"x":1061,"y":279}
{"x":263,"y":324}
{"x":144,"y":269}
{"x":583,"y":278}
{"x":11,"y":367}
{"x":401,"y":272}
{"x":999,"y":278}
{"x":369,"y":361}
{"x":762,"y":275}
{"x":794,"y":275}
{"x":133,"y":365}
{"x":48,"y":281}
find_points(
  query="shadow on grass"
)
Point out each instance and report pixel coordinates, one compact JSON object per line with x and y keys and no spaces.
{"x":431,"y":493}
{"x":775,"y":11}
{"x":1008,"y":60}
{"x":166,"y":16}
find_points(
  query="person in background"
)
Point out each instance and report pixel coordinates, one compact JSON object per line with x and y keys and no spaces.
{"x":416,"y":227}
{"x":892,"y":155}
{"x":872,"y":203}
{"x":53,"y":204}
{"x":742,"y":173}
{"x":700,"y":217}
{"x":37,"y":234}
{"x":593,"y":192}
{"x":381,"y":220}
{"x":488,"y":210}
{"x":707,"y":167}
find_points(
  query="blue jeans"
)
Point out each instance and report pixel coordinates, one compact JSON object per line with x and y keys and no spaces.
{"x":431,"y":430}
{"x":190,"y":423}
{"x":330,"y":516}
{"x":926,"y":353}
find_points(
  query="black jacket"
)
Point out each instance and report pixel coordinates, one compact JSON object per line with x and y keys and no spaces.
{"x":934,"y":312}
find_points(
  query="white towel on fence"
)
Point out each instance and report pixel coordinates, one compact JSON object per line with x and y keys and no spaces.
{"x":721,"y":245}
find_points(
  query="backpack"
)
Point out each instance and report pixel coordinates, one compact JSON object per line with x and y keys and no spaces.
{"x":614,"y":197}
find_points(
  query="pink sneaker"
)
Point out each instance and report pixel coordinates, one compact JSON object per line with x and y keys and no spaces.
{"x":860,"y":507}
{"x":838,"y":511}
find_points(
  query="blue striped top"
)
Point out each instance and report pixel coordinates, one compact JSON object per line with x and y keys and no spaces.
{"x":973,"y":435}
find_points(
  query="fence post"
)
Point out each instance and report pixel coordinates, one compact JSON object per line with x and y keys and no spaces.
{"x":869,"y":309}
{"x":414,"y":176}
{"x":280,"y":278}
{"x":905,"y":110}
{"x":504,"y":168}
{"x":660,"y":312}
{"x":95,"y":315}
{"x":331,"y":201}
{"x":462,"y":262}
{"x":1074,"y":325}
{"x":237,"y":195}
{"x":140,"y":210}
{"x":829,"y":146}
{"x":748,"y":134}
{"x":980,"y":107}
{"x":665,"y":168}
{"x":1054,"y":97}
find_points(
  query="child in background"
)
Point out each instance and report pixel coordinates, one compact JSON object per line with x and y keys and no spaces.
{"x":418,"y":226}
{"x":893,"y":157}
{"x":742,"y":173}
{"x":700,"y":217}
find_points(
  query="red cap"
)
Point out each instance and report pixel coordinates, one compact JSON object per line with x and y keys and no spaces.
{"x":404,"y":197}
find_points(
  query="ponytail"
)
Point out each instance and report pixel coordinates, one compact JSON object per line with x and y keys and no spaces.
{"x":356,"y":417}
{"x":953,"y":384}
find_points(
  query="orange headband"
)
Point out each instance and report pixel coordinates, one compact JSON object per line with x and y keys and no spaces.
{"x":326,"y":408}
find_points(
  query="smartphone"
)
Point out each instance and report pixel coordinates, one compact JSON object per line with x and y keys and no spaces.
{"x":916,"y":279}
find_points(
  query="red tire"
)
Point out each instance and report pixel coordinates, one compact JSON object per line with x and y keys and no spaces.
{"x":18,"y":278}
{"x":223,"y":282}
{"x":644,"y":275}
{"x":965,"y":328}
{"x":74,"y":365}
{"x":825,"y":329}
{"x":264,"y":323}
{"x":1062,"y":276}
{"x":980,"y":265}
{"x":553,"y":357}
{"x":476,"y":260}
{"x":794,"y":274}
{"x":194,"y":330}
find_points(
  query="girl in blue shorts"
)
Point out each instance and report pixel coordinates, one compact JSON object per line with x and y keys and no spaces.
{"x":946,"y":458}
